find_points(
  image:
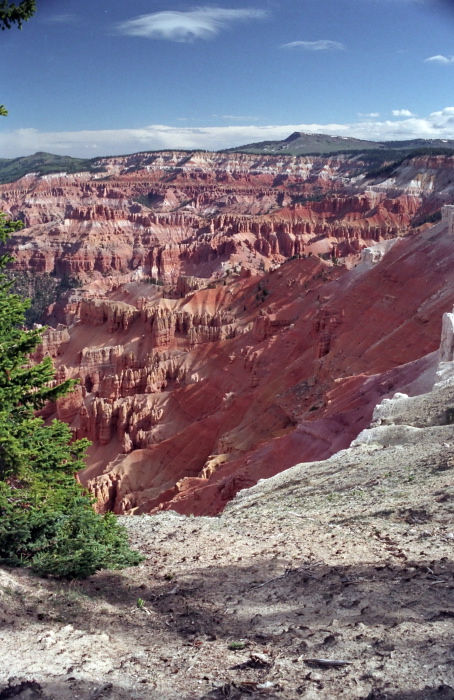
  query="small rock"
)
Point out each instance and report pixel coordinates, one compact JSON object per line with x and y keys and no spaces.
{"x":315,"y":677}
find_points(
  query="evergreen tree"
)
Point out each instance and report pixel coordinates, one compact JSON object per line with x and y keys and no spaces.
{"x":12,"y":13}
{"x":47,"y":521}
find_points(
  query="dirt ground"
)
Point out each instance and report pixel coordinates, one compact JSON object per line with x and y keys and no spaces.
{"x":333,"y":580}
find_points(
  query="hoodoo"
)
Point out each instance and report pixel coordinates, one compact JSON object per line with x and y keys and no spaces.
{"x":238,"y":313}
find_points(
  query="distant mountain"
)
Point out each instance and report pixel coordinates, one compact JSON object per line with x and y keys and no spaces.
{"x":299,"y":144}
{"x":415,"y":144}
{"x":376,"y":154}
{"x":12,"y":169}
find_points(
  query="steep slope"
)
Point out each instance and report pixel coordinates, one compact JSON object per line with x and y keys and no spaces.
{"x":256,"y":350}
{"x":248,"y":415}
{"x":333,"y":579}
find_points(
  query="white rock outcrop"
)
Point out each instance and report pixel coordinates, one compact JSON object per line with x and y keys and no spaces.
{"x":445,"y":370}
{"x":447,"y":217}
{"x":371,"y":256}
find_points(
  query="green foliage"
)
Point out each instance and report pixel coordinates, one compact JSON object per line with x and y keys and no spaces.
{"x":143,"y":200}
{"x":302,"y":199}
{"x":12,"y":169}
{"x":11,"y":13}
{"x":399,"y":157}
{"x":386,"y":168}
{"x":72,"y":542}
{"x":428,"y":219}
{"x":47,"y":521}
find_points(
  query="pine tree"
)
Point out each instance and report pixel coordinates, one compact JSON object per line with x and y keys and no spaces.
{"x":47,"y":521}
{"x":12,"y":13}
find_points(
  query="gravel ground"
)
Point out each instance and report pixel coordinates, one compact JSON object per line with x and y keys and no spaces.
{"x":332,"y":580}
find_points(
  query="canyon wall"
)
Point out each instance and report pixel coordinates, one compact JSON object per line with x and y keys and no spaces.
{"x":238,"y":314}
{"x":171,"y":214}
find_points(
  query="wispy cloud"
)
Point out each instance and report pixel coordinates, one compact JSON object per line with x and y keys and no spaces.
{"x":440,"y":59}
{"x":199,"y":23}
{"x":66,"y":18}
{"x":235,"y":117}
{"x":320,"y":45}
{"x":402,"y":113}
{"x":372,"y":115}
{"x":96,"y":143}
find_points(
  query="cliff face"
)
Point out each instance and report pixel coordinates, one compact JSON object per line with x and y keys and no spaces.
{"x":173,"y":213}
{"x":254,"y":353}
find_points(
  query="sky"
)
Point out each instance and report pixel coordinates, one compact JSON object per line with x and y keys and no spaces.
{"x":104,"y":77}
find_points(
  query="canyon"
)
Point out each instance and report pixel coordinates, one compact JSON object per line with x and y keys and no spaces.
{"x":238,"y":313}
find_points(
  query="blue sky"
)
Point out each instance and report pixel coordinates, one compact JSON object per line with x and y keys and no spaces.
{"x":99,"y":77}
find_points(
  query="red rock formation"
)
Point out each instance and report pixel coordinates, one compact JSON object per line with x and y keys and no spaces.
{"x":246,"y":361}
{"x":178,"y":214}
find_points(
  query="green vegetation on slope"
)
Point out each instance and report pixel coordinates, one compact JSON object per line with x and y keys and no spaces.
{"x":301,"y":144}
{"x":42,"y":290}
{"x":373,"y":158}
{"x":12,"y":169}
{"x":388,"y":166}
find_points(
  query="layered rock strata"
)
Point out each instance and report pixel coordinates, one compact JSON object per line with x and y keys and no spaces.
{"x":217,"y":339}
{"x":189,"y":400}
{"x":171,"y":214}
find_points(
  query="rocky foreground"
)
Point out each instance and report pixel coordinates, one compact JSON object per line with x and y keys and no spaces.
{"x":333,"y":579}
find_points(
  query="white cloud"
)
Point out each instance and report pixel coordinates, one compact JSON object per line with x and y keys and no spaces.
{"x":200,"y":23}
{"x":96,"y":143}
{"x":234,"y":117}
{"x":402,"y":113}
{"x":67,"y":18}
{"x":440,"y":59}
{"x":320,"y":45}
{"x":373,"y":115}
